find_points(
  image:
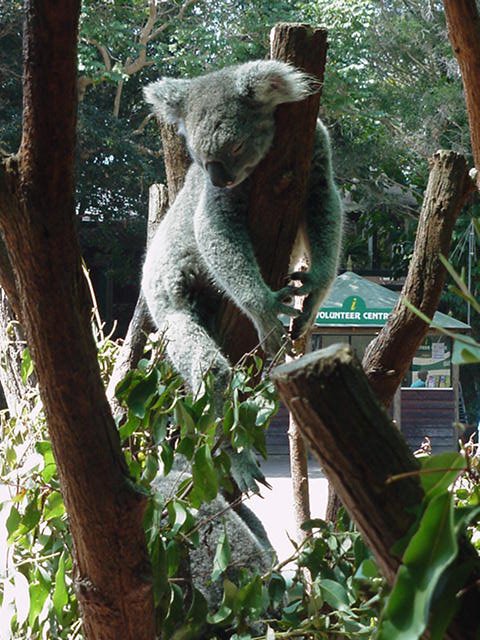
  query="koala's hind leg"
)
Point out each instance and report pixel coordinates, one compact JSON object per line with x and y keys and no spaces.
{"x":194,"y":353}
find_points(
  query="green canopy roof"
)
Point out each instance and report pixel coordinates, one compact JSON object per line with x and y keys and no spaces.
{"x":357,"y":302}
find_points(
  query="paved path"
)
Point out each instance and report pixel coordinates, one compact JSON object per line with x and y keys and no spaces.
{"x":275,"y":508}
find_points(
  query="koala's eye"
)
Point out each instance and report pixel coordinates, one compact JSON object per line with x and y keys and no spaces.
{"x":238,"y":148}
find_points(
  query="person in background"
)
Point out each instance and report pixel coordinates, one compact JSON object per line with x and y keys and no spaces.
{"x":421,"y":380}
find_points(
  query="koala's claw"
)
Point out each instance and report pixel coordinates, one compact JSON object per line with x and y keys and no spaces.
{"x":288,"y":310}
{"x":307,"y":280}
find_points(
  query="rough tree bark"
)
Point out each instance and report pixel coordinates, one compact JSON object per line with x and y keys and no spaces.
{"x":388,"y":356}
{"x":359,"y":448}
{"x":112,"y":571}
{"x":279,"y":182}
{"x":463,"y":20}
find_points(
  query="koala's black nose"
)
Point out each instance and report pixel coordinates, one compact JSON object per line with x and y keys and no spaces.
{"x":218,"y":174}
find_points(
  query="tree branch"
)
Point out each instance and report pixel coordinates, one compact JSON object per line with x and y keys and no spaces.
{"x":280,"y":180}
{"x":359,"y":449}
{"x":37,"y":219}
{"x":463,"y":20}
{"x":388,"y":356}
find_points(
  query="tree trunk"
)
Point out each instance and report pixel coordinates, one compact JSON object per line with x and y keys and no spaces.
{"x":280,"y":180}
{"x":175,"y":157}
{"x":299,"y":473}
{"x":141,"y":323}
{"x":360,"y":449}
{"x":463,"y":20}
{"x":112,"y":570}
{"x":388,"y":356}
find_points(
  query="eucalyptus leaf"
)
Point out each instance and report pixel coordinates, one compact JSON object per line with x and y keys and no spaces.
{"x":440,"y":471}
{"x":334,"y":594}
{"x":60,"y":594}
{"x":204,"y":475}
{"x":430,"y":551}
{"x":222,"y":555}
{"x":54,"y":507}
{"x":38,"y":594}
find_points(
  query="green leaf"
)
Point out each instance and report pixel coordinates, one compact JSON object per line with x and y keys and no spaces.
{"x":139,"y":398}
{"x":53,"y":507}
{"x":276,"y":589}
{"x":177,"y":515}
{"x":159,"y":426}
{"x":26,"y":368}
{"x":13,"y":522}
{"x":430,"y":551}
{"x":151,"y":469}
{"x":222,"y":555}
{"x":38,"y":594}
{"x":184,"y":417}
{"x":251,"y":598}
{"x":129,"y":427}
{"x":29,"y":521}
{"x":439,"y":471}
{"x":159,"y":569}
{"x":334,"y":594}
{"x":466,"y":350}
{"x":448,"y":602}
{"x":126,"y":384}
{"x":367,"y":570}
{"x":204,"y":475}
{"x":166,"y":457}
{"x":60,"y":594}
{"x":44,"y":448}
{"x":225,"y":612}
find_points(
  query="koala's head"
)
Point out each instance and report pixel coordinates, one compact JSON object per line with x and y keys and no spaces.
{"x":227,"y":116}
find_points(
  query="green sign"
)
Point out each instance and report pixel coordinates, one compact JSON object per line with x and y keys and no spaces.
{"x":352,"y":312}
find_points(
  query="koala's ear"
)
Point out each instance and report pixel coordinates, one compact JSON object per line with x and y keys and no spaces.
{"x":167,"y":97}
{"x":274,"y":82}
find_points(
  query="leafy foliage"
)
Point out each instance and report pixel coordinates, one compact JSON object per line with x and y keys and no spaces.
{"x":331,"y":584}
{"x":425,"y":589}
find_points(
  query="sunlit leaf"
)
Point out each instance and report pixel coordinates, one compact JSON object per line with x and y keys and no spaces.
{"x":60,"y":594}
{"x":139,"y":398}
{"x":54,"y":507}
{"x":222,"y":555}
{"x":430,"y":551}
{"x":439,"y":471}
{"x":38,"y":594}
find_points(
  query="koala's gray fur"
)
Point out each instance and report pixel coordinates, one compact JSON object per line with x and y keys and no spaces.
{"x":202,"y":247}
{"x":249,"y":545}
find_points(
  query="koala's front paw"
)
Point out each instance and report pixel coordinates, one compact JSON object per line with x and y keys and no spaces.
{"x":315,"y":292}
{"x":303,"y":322}
{"x":308,"y":280}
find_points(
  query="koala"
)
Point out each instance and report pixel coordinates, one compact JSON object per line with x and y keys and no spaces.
{"x":202,"y":248}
